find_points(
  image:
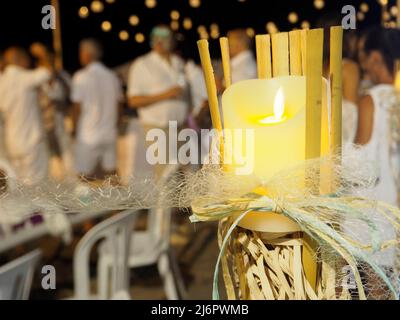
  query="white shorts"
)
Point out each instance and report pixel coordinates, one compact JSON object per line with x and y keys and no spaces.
{"x":88,"y":156}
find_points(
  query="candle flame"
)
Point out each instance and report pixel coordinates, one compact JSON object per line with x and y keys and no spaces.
{"x":279,"y":108}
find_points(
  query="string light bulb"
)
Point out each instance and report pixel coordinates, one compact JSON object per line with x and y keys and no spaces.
{"x":134,"y":20}
{"x":106,"y":26}
{"x":174,"y":14}
{"x":364,"y":7}
{"x":83,"y":12}
{"x":250,"y":32}
{"x":293,"y":17}
{"x":214,"y":26}
{"x":123,"y":35}
{"x":139,"y":37}
{"x":204,"y":35}
{"x":97,"y":6}
{"x":214,"y":33}
{"x":360,"y":16}
{"x":151,"y":4}
{"x":187,"y":23}
{"x":174,"y":25}
{"x":305,"y":25}
{"x":319,"y":4}
{"x":271,"y":27}
{"x":201,"y":29}
{"x":194,"y":3}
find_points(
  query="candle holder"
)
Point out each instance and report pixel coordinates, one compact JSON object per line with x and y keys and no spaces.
{"x":282,"y":229}
{"x":268,"y":256}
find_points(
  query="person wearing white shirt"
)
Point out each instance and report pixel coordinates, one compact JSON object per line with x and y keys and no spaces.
{"x":96,"y":94}
{"x":199,"y":117}
{"x":197,"y":85}
{"x":243,"y":64}
{"x":24,"y":135}
{"x":156,"y":85}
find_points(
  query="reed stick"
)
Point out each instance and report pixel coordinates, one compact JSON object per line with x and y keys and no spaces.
{"x":314,"y":50}
{"x":313,"y":71}
{"x":303,"y":51}
{"x":295,"y":53}
{"x":226,"y":61}
{"x":336,"y":38}
{"x":280,"y":54}
{"x":211,"y":92}
{"x":263,"y":49}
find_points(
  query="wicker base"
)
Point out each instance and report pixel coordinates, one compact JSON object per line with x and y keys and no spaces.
{"x":260,"y":266}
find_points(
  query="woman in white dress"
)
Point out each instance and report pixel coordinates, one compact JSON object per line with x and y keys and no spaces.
{"x":378,"y":110}
{"x":378,"y":126}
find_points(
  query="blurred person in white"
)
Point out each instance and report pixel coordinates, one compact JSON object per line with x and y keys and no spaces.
{"x":131,"y":149}
{"x":378,"y":130}
{"x":199,"y":117}
{"x":96,"y":94}
{"x":243,"y":63}
{"x":25,"y":141}
{"x":156,"y":86}
{"x":54,"y":101}
{"x":379,"y":111}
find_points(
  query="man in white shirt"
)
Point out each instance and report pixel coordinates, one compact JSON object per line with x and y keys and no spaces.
{"x":24,"y":135}
{"x":96,"y":94}
{"x":243,"y":64}
{"x":156,"y":85}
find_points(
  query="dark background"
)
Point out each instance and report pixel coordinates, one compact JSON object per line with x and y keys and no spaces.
{"x":20,"y":22}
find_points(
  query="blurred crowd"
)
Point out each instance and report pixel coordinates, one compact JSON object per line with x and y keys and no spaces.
{"x":94,"y":124}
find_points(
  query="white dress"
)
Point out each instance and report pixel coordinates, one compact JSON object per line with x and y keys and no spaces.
{"x":383,"y":151}
{"x":349,"y":121}
{"x":383,"y":148}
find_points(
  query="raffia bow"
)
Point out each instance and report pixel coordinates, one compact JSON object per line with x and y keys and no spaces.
{"x":304,"y":213}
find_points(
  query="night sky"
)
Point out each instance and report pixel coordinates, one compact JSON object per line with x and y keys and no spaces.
{"x":20,"y":22}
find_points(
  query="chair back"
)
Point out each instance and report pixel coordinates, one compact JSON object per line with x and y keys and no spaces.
{"x":16,"y":277}
{"x":115,"y":232}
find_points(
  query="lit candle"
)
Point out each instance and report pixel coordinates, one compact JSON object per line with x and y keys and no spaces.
{"x":275,"y":109}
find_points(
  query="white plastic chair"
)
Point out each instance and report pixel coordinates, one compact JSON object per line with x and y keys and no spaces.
{"x":152,"y":245}
{"x":16,"y":277}
{"x":116,"y":232}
